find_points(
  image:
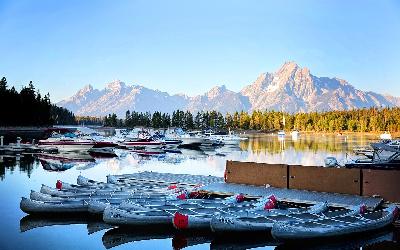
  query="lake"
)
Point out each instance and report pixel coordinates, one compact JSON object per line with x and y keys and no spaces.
{"x":19,"y":176}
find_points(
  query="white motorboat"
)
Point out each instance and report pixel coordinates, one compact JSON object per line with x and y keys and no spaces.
{"x":281,"y":133}
{"x":385,"y":136}
{"x":295,"y":134}
{"x":64,"y":143}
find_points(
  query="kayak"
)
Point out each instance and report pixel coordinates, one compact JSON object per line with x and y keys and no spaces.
{"x":326,"y":227}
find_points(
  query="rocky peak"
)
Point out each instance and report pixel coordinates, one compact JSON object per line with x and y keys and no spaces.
{"x":86,"y":89}
{"x":288,"y":68}
{"x":115,"y":85}
{"x":216,"y":91}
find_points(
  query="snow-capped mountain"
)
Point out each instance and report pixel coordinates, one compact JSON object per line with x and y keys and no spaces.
{"x":117,"y":97}
{"x":221,"y":99}
{"x":291,"y":89}
{"x":295,"y":89}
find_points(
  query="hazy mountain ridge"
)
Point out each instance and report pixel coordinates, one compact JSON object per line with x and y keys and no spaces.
{"x":291,"y":89}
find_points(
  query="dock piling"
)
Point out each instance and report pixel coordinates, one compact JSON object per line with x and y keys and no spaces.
{"x":1,"y":141}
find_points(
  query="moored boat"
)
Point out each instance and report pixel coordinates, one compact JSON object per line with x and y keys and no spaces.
{"x":67,"y":144}
{"x":334,"y":227}
{"x":263,"y":220}
{"x":385,"y":136}
{"x":32,"y":206}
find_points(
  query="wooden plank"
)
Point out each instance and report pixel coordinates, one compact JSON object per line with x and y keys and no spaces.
{"x":385,"y":183}
{"x":259,"y":174}
{"x":333,"y":180}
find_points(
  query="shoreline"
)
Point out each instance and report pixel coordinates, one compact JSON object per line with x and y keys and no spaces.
{"x":240,"y":131}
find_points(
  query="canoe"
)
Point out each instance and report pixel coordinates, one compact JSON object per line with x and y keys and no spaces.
{"x":171,"y":178}
{"x":333,"y":227}
{"x":97,"y":204}
{"x":250,"y":210}
{"x":31,"y":206}
{"x":259,"y":221}
{"x":138,"y":184}
{"x":163,"y":212}
{"x":117,"y":216}
{"x":68,"y":205}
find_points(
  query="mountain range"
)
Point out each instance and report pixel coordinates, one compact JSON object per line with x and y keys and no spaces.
{"x":291,"y":88}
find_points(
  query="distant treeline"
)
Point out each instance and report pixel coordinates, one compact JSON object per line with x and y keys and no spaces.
{"x":29,"y":108}
{"x":360,"y":120}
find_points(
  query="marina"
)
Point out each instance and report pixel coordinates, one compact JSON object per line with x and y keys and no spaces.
{"x":140,"y":190}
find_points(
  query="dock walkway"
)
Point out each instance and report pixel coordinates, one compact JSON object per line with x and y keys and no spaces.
{"x":293,"y":195}
{"x":216,"y":185}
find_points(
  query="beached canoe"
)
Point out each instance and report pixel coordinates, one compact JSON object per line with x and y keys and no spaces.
{"x":338,"y":226}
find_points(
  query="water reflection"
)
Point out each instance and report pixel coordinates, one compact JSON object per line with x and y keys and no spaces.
{"x":24,"y":164}
{"x":307,"y":142}
{"x":31,"y":222}
{"x":304,"y":150}
{"x":125,"y":236}
{"x":374,"y":240}
{"x":20,"y":175}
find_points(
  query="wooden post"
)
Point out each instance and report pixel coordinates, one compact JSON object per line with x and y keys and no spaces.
{"x":1,"y":141}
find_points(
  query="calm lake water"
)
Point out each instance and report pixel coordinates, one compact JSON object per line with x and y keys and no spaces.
{"x":19,"y":176}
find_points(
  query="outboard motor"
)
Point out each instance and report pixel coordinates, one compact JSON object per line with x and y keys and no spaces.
{"x":331,"y":162}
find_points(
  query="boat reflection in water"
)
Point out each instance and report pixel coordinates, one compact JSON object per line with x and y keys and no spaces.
{"x":114,"y":237}
{"x":387,"y":239}
{"x":29,"y":174}
{"x":123,"y":235}
{"x":31,"y":222}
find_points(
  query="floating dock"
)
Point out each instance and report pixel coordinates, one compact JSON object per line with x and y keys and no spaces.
{"x":217,"y":185}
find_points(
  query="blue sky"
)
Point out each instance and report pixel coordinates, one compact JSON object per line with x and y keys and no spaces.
{"x":191,"y":46}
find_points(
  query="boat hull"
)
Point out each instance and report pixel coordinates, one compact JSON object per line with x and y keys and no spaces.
{"x":310,"y":230}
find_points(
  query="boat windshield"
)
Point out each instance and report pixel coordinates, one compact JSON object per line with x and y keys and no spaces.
{"x":383,"y":155}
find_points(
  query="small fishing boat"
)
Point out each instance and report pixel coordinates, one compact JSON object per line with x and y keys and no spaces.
{"x":326,"y":227}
